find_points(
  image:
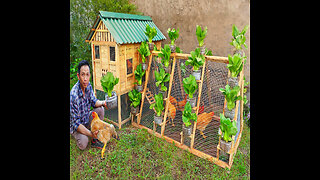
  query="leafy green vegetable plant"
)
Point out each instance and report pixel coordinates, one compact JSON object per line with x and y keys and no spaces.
{"x":183,"y":69}
{"x":201,"y":34}
{"x":173,"y":35}
{"x":135,"y":97}
{"x":165,"y":55}
{"x":196,"y":60}
{"x":108,"y":82}
{"x":238,"y":37}
{"x":158,"y":105}
{"x":227,"y":127}
{"x":178,"y":50}
{"x":161,"y":78}
{"x":231,"y":95}
{"x":150,"y":33}
{"x":235,"y":64}
{"x":144,"y":51}
{"x":187,"y":116}
{"x":139,"y":73}
{"x":190,"y":85}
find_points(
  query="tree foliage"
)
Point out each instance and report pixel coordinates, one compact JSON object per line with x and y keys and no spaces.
{"x":83,"y":13}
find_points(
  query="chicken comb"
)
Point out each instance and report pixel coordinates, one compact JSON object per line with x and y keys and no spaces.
{"x":94,"y":114}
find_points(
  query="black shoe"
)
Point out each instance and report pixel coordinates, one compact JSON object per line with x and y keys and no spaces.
{"x":96,"y":143}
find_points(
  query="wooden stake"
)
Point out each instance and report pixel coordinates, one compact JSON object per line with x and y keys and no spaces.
{"x":145,"y":87}
{"x":169,"y":92}
{"x":198,"y":103}
{"x":119,"y":110}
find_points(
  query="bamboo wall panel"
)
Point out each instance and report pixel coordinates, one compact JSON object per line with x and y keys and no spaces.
{"x":102,"y":34}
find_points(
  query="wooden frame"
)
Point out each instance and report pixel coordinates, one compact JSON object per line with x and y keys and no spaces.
{"x":213,"y":159}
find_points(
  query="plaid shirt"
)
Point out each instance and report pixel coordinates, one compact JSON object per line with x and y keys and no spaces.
{"x":80,"y":106}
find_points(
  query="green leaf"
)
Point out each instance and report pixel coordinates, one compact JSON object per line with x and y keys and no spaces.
{"x":108,"y":82}
{"x":161,"y":76}
{"x":135,"y":97}
{"x":235,"y":31}
{"x":173,"y":35}
{"x":163,"y":88}
{"x":139,"y":73}
{"x":165,"y":55}
{"x":150,"y":32}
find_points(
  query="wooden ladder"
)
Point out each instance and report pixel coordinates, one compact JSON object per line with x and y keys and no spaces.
{"x":149,"y":96}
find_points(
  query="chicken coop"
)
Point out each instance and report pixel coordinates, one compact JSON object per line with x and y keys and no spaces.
{"x":114,"y":40}
{"x":204,"y":140}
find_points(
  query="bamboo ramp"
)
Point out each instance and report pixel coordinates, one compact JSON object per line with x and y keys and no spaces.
{"x":149,"y":96}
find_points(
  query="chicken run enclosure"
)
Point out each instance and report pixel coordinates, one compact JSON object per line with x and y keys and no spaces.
{"x":204,"y":140}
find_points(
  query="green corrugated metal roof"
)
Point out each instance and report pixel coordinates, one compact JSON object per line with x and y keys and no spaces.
{"x":127,"y":28}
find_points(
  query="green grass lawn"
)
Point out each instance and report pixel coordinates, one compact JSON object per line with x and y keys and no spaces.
{"x":140,"y":155}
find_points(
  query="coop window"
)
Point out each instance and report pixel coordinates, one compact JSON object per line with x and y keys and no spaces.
{"x":129,"y":66}
{"x":112,"y":54}
{"x":97,"y":52}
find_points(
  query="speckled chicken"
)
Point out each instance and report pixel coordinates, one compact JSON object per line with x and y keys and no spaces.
{"x":106,"y":131}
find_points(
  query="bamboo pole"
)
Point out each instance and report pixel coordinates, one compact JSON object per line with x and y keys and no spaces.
{"x":235,"y":147}
{"x":169,"y":92}
{"x":93,"y":69}
{"x":219,"y":59}
{"x":145,"y":88}
{"x":198,"y":103}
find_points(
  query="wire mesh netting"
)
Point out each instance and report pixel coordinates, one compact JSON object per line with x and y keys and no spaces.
{"x":211,"y":104}
{"x":112,"y":114}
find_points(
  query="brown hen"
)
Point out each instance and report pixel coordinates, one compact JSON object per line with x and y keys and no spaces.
{"x":106,"y":131}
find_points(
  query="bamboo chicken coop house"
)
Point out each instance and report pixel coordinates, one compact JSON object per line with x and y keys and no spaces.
{"x":114,"y":39}
{"x":204,"y":140}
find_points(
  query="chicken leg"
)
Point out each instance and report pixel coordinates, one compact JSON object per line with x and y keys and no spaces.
{"x":103,"y":150}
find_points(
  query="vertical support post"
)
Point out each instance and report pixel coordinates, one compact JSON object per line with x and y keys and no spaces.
{"x":180,"y":80}
{"x":198,"y":103}
{"x":144,"y":89}
{"x":117,"y":51}
{"x":168,"y":96}
{"x":93,"y":69}
{"x":119,"y":110}
{"x":236,"y":144}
